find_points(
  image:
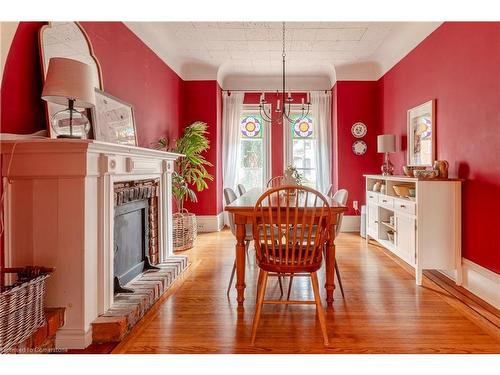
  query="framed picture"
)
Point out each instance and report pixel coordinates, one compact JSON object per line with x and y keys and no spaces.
{"x":421,"y":135}
{"x":113,"y":120}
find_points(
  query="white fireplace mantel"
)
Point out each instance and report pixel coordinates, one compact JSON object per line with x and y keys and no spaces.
{"x":59,"y":212}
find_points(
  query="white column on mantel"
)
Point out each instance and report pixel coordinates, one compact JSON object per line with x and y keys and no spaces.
{"x":165,"y":205}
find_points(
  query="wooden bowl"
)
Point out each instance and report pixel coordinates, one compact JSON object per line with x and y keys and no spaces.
{"x":426,"y":174}
{"x":402,"y":190}
{"x":408,"y":170}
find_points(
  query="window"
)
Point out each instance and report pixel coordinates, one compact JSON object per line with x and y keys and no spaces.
{"x":300,"y":147}
{"x":253,"y":163}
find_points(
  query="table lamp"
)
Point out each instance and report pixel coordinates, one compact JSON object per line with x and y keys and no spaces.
{"x":385,"y":144}
{"x":69,"y":82}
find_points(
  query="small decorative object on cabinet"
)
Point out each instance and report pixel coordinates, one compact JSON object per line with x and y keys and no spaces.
{"x":424,"y":230}
{"x":386,"y":144}
{"x":408,"y":170}
{"x":425,"y":174}
{"x":376,"y":186}
{"x":359,"y":130}
{"x":442,"y":167}
{"x":421,"y":135}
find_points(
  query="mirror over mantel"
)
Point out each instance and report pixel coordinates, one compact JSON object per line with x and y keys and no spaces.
{"x":66,"y":39}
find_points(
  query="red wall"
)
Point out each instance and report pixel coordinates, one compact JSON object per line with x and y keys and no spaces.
{"x":134,"y":73}
{"x":459,"y":66}
{"x":277,"y":162}
{"x":202,"y":101}
{"x":22,"y":110}
{"x":356,"y":101}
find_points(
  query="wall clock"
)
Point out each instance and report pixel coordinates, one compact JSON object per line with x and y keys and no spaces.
{"x":359,"y":147}
{"x":359,"y":130}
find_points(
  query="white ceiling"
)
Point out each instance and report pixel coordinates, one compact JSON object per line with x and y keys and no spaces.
{"x":237,"y":52}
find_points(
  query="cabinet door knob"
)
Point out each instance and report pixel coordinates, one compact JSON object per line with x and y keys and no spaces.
{"x":402,"y":206}
{"x":383,"y":200}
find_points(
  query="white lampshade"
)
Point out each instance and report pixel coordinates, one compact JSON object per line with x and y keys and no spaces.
{"x":69,"y":79}
{"x":386,"y":143}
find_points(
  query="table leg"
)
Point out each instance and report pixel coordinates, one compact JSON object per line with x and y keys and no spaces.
{"x":240,"y":262}
{"x":330,"y":267}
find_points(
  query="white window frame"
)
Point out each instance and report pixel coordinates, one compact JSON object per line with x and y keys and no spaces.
{"x":288,"y":141}
{"x":249,"y":109}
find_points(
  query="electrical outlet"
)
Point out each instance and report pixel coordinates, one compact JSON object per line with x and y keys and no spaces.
{"x":355,"y":205}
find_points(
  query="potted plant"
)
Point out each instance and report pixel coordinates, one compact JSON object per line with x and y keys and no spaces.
{"x":189,"y":174}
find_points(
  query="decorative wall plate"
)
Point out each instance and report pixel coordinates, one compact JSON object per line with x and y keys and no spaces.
{"x":359,"y":147}
{"x":359,"y":130}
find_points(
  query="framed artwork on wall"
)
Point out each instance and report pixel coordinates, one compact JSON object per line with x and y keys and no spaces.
{"x":421,"y":135}
{"x":113,"y":120}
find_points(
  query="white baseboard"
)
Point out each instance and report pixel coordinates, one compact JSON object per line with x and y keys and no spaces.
{"x":480,"y":281}
{"x":73,"y":338}
{"x":350,"y":223}
{"x":210,"y":223}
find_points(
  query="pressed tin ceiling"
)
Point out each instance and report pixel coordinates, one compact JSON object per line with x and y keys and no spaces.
{"x":229,"y":50}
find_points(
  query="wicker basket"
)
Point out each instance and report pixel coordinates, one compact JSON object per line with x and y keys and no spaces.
{"x":22,"y":305}
{"x":184,"y":230}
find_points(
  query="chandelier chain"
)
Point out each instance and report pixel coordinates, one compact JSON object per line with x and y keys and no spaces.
{"x":284,"y":112}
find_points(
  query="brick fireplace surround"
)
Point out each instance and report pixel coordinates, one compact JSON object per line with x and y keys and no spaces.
{"x":59,"y":212}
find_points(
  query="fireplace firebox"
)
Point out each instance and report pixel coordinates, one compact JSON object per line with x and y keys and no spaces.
{"x":135,"y":230}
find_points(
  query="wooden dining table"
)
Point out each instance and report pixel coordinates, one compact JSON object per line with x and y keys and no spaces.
{"x":243,"y":210}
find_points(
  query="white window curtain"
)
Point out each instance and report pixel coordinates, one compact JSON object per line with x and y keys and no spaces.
{"x":321,"y":107}
{"x":232,"y":106}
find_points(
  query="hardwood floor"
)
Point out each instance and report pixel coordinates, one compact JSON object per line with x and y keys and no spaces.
{"x":383,"y":310}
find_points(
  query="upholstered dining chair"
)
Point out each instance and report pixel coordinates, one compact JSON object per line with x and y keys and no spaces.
{"x":242,"y":189}
{"x":294,"y":210}
{"x":339,"y":197}
{"x":230,"y":197}
{"x":275,"y":181}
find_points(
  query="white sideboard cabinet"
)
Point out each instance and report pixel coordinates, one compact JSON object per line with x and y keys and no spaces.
{"x":424,"y":230}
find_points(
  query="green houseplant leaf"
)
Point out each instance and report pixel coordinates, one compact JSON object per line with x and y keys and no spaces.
{"x":190,"y":170}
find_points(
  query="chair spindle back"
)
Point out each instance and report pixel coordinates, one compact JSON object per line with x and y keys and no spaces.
{"x":290,"y":226}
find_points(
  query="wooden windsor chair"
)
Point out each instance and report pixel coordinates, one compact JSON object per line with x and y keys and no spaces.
{"x":340,"y":196}
{"x":295,"y":252}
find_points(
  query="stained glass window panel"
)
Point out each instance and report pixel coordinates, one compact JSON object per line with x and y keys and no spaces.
{"x":251,"y":127}
{"x":303,"y":127}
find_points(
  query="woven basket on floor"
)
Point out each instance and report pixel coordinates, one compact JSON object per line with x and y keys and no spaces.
{"x":22,"y":305}
{"x":184,"y":230}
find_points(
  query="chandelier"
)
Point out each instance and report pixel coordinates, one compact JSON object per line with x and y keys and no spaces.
{"x":284,"y":105}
